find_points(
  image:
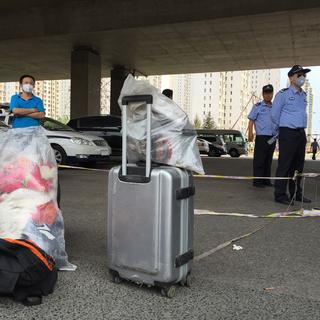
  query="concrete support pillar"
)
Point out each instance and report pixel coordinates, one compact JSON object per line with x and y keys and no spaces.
{"x":118,"y":76}
{"x":85,"y":82}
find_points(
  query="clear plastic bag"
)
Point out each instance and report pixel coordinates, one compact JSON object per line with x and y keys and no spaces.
{"x":28,"y":192}
{"x":174,"y":140}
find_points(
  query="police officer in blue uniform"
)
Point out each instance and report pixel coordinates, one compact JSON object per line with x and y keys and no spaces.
{"x":290,"y":117}
{"x":260,"y":118}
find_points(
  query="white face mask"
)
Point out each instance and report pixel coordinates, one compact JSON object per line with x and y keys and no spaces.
{"x":300,"y":81}
{"x":28,"y":88}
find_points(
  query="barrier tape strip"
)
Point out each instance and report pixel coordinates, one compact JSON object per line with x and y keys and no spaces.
{"x":307,"y":175}
{"x":62,"y":166}
{"x":302,"y":213}
{"x":227,"y":243}
{"x":244,"y":177}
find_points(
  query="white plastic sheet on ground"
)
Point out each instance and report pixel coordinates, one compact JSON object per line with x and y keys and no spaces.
{"x":28,"y":192}
{"x":174,"y":140}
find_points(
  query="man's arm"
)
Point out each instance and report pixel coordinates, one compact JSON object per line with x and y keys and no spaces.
{"x":37,"y":115}
{"x":250,"y":131}
{"x":252,"y":116}
{"x":23,"y":111}
{"x":276,"y":109}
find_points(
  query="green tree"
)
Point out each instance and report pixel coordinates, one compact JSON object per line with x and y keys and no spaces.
{"x":64,"y":119}
{"x":208,"y":122}
{"x":197,"y":122}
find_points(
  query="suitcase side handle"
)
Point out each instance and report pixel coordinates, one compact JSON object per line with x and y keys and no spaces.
{"x":185,"y":193}
{"x":183,"y":258}
{"x":126,"y":100}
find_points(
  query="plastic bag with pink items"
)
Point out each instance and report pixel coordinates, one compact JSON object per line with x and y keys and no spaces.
{"x":173,"y":138}
{"x":28,"y":192}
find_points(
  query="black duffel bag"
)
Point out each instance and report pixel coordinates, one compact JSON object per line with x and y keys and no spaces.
{"x":26,"y":272}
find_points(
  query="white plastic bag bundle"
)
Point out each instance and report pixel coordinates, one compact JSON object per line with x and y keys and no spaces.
{"x":28,"y":192}
{"x":174,"y":140}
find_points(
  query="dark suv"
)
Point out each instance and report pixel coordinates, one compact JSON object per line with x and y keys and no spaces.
{"x":107,"y":127}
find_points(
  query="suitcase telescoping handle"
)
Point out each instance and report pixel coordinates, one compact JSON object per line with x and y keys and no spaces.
{"x":126,"y":100}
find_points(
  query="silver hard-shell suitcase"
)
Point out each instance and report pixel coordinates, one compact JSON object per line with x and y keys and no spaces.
{"x":150,"y":219}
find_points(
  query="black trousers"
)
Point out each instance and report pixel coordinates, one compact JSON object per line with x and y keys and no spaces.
{"x":292,"y":149}
{"x":314,"y":152}
{"x":262,"y":160}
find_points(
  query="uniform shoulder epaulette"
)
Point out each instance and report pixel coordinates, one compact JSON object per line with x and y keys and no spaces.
{"x":257,"y":104}
{"x":284,"y":89}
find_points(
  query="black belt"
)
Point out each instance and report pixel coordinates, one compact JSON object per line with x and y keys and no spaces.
{"x":294,"y":129}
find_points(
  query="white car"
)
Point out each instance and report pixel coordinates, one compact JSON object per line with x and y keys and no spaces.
{"x":69,"y":145}
{"x":203,"y":146}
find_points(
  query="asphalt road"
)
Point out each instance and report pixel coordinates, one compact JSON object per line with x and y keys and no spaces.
{"x":274,"y":276}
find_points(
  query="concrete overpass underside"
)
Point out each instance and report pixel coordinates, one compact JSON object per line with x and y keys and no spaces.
{"x":157,"y":37}
{"x":154,"y":37}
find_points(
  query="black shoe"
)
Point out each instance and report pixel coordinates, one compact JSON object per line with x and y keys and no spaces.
{"x":261,"y":186}
{"x":285,"y":201}
{"x":304,"y":199}
{"x":32,"y":301}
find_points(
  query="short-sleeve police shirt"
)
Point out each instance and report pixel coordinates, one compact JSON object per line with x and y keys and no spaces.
{"x":289,"y":108}
{"x":261,"y":116}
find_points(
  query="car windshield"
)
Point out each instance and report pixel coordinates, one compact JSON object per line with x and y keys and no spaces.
{"x":54,"y":125}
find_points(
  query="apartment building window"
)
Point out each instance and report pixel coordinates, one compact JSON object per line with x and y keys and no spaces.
{"x":205,"y":90}
{"x":210,"y":90}
{"x":230,"y":100}
{"x":210,"y":82}
{"x":204,"y":113}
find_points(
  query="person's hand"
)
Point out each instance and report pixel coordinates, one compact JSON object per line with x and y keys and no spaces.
{"x":250,"y":137}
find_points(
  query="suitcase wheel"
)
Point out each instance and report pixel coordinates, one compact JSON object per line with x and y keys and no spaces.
{"x":169,"y":292}
{"x":115,"y":278}
{"x":186,"y":282}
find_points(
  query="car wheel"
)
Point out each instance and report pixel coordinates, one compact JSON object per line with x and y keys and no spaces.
{"x":234,"y":153}
{"x":59,"y":153}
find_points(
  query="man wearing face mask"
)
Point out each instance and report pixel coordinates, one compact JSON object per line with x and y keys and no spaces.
{"x":289,"y":115}
{"x":27,"y":108}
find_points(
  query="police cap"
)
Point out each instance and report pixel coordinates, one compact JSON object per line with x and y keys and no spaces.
{"x":267,"y":88}
{"x":297,"y":69}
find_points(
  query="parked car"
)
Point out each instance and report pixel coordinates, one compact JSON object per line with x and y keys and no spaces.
{"x":70,"y":146}
{"x":212,"y":149}
{"x":235,"y":143}
{"x":3,"y":127}
{"x":107,"y":127}
{"x":203,"y":146}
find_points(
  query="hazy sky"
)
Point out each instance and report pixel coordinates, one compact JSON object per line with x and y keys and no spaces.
{"x":313,"y":77}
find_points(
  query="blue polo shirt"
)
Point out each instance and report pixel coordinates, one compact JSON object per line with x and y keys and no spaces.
{"x":290,"y":108}
{"x":18,"y":102}
{"x":261,"y":115}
